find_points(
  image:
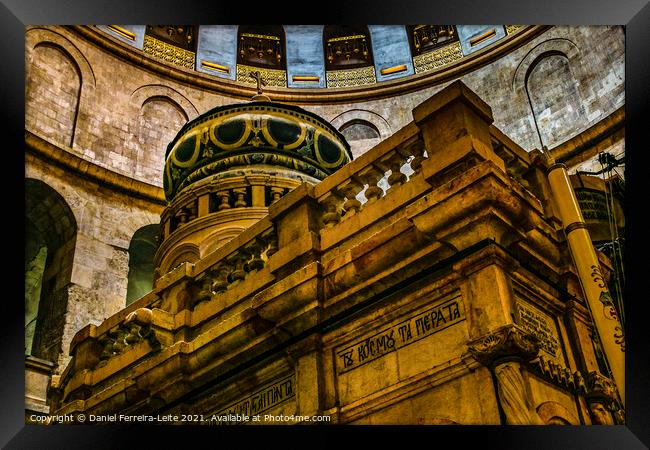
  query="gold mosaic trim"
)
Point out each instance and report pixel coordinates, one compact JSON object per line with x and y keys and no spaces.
{"x":350,"y":78}
{"x":510,"y":29}
{"x":272,"y":77}
{"x":437,"y":58}
{"x":169,"y":53}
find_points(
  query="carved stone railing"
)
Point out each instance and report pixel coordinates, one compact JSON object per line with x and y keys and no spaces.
{"x":371,"y":176}
{"x":232,"y":267}
{"x":516,"y":158}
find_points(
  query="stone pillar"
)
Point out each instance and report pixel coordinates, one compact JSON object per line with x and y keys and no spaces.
{"x":309,"y":375}
{"x":503,"y":352}
{"x":297,"y":218}
{"x":455,"y":125}
{"x":37,"y":379}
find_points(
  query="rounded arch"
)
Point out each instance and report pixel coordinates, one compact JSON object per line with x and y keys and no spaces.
{"x":53,"y":90}
{"x":555,"y":46}
{"x":552,"y":90}
{"x":50,"y":238}
{"x":145,"y":93}
{"x":142,"y":249}
{"x":39,"y":36}
{"x":378,"y":122}
{"x":358,"y":129}
{"x":158,"y":119}
{"x":554,"y":413}
{"x":185,"y":252}
{"x":347,"y":47}
{"x":219,"y":239}
{"x":262,"y":46}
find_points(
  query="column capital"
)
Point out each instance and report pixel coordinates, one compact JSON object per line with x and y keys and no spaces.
{"x":508,"y":343}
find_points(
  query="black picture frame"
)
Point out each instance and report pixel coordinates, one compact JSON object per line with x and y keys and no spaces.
{"x":634,"y":14}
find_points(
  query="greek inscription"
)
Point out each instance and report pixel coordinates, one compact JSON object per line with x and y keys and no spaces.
{"x":262,"y":400}
{"x":400,"y":335}
{"x":537,"y":324}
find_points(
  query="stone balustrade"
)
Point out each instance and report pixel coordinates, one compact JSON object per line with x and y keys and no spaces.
{"x":371,"y":176}
{"x":215,"y":195}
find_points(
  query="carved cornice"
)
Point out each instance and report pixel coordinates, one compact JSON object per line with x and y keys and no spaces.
{"x":508,"y":343}
{"x":558,"y":374}
{"x":65,"y":158}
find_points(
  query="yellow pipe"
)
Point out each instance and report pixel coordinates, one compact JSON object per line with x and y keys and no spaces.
{"x":600,"y":303}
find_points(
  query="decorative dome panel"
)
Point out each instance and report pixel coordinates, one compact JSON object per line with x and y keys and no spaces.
{"x":256,"y":133}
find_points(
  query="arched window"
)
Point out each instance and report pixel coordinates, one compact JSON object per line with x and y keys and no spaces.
{"x":50,"y":237}
{"x":261,"y":46}
{"x":358,"y":129}
{"x":347,"y":47}
{"x":425,"y":38}
{"x":141,"y":254}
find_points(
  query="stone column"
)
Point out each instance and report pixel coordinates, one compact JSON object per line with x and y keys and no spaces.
{"x":503,"y":352}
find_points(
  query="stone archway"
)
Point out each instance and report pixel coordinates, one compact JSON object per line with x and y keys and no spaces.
{"x":50,"y":238}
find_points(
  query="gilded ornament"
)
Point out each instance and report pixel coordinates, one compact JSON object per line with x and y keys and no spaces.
{"x":437,"y":58}
{"x":351,"y":78}
{"x":169,"y":53}
{"x":272,"y":77}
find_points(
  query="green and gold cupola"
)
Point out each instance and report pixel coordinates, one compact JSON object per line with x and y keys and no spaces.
{"x":263,"y":134}
{"x":224,"y":168}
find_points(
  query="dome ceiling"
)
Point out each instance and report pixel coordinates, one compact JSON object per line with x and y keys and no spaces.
{"x":310,"y":56}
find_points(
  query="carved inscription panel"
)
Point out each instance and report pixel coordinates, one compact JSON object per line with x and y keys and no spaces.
{"x":541,"y":325}
{"x":263,"y":399}
{"x":416,"y":327}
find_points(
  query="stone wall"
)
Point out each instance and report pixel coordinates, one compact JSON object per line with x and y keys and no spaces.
{"x":106,"y":222}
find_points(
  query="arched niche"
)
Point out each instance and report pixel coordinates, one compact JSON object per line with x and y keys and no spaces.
{"x":159,"y":120}
{"x":362,"y":129}
{"x":186,"y":252}
{"x":361,"y":135}
{"x":347,"y":47}
{"x":40,"y":109}
{"x":52,"y":93}
{"x":261,"y":46}
{"x":554,"y":98}
{"x":142,"y":249}
{"x":359,"y":129}
{"x":554,"y":413}
{"x":50,"y":237}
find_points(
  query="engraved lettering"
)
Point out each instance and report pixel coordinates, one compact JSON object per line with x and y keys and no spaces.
{"x":399,"y":335}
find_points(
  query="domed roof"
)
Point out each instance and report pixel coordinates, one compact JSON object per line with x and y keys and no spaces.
{"x":255,"y":133}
